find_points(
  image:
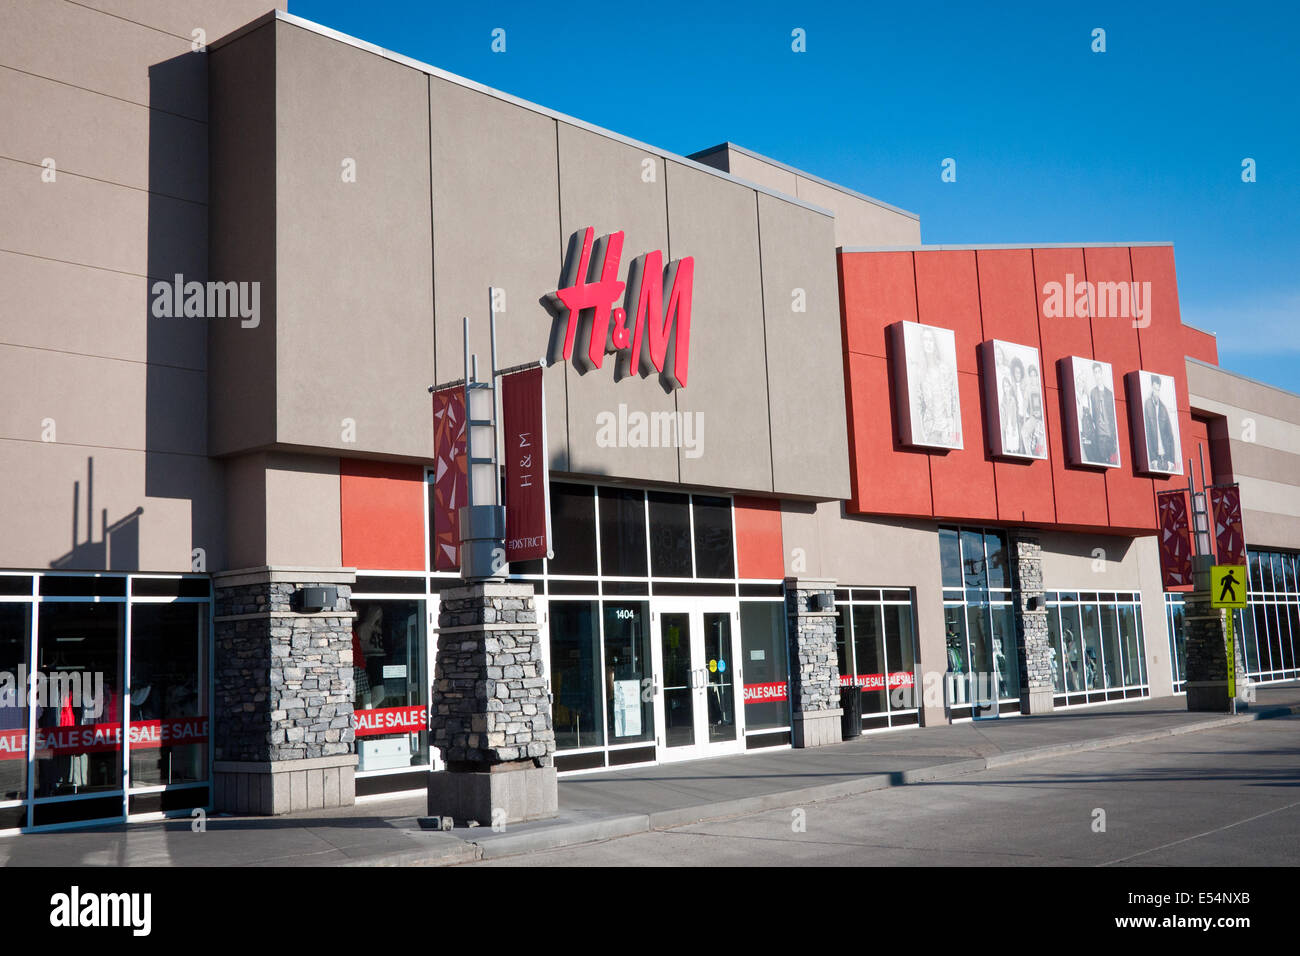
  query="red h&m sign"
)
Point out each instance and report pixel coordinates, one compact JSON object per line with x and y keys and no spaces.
{"x":523,"y":415}
{"x":1229,"y":538}
{"x":1175,"y":539}
{"x":449,"y":476}
{"x":658,"y":298}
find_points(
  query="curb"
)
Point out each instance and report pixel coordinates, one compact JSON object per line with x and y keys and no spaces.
{"x":572,"y":834}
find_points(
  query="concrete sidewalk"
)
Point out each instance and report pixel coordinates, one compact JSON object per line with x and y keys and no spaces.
{"x":604,"y":805}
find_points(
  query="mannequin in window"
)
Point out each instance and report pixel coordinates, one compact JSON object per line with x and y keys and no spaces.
{"x":367,"y":642}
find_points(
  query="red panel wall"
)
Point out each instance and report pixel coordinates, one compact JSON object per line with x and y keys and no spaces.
{"x":1197,"y":442}
{"x":877,"y":290}
{"x":883,"y":472}
{"x":1200,"y":345}
{"x":759,"y":552}
{"x":961,"y":482}
{"x":382,"y":507}
{"x":1164,"y":340}
{"x":1115,"y":340}
{"x":1010,"y":304}
{"x":1000,"y":293}
{"x":948,"y":295}
{"x":1064,"y":334}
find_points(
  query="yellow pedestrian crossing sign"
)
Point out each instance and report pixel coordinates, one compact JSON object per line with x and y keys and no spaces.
{"x":1228,"y":585}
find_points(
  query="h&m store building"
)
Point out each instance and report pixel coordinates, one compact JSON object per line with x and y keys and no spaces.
{"x":866,"y":460}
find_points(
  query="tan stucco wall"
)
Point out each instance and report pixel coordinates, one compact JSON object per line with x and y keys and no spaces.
{"x":100,"y":403}
{"x":370,"y":287}
{"x":858,"y":220}
{"x":821,"y":541}
{"x":1263,"y":431}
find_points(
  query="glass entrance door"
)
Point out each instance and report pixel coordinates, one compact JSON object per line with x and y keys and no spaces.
{"x":698,"y":709}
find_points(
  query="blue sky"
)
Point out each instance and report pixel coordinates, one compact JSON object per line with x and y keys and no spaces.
{"x":1053,"y":142}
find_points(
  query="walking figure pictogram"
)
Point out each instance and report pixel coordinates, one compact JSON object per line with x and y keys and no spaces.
{"x":1229,"y":586}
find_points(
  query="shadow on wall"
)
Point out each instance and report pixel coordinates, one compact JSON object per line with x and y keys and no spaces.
{"x":1115,"y":547}
{"x":175,"y":406}
{"x":118,"y":547}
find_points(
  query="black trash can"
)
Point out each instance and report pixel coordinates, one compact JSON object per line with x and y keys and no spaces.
{"x":851,"y":719}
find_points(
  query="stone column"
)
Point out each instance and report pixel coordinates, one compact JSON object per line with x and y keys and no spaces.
{"x":283,"y":737}
{"x":1033,"y":644}
{"x":491,"y":711}
{"x":1205,"y":637}
{"x":814,"y":667}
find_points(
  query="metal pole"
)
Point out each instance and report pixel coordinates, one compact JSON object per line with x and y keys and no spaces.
{"x":496,"y":417}
{"x":469,"y":431}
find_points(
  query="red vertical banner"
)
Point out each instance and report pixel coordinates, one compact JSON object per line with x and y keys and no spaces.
{"x":1175,"y":539}
{"x":450,"y":476}
{"x":1229,"y":537}
{"x":523,"y":417}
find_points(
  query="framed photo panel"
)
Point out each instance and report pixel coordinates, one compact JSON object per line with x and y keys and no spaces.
{"x":1153,"y":417}
{"x":925,"y":381}
{"x":1013,"y":400}
{"x":1088,"y":393}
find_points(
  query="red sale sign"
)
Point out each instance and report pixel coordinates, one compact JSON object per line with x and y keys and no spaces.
{"x":101,"y":738}
{"x":392,"y":720}
{"x":762,"y":693}
{"x":879,"y":681}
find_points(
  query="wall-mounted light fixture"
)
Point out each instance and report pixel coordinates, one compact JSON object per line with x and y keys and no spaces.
{"x":312,"y":600}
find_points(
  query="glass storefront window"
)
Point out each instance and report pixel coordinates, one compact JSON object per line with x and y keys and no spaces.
{"x":15,"y":633}
{"x":900,"y":650}
{"x":955,"y":637}
{"x":995,"y":543}
{"x":1004,"y":652}
{"x":1246,"y":622}
{"x":679,"y":695}
{"x":1275,"y":637}
{"x":576,"y":682}
{"x":79,"y":652}
{"x":1111,"y":666}
{"x":1177,"y":639}
{"x":974,"y":566}
{"x":714,"y":557}
{"x":719,"y":690}
{"x":1135,"y":665}
{"x":629,"y":671}
{"x":169,"y":693}
{"x":670,"y":535}
{"x":1092,"y":673}
{"x":573,"y":526}
{"x":1072,"y":656}
{"x":1101,"y":644}
{"x":978,"y":628}
{"x":762,"y":637}
{"x":868,"y":648}
{"x":389,"y":669}
{"x":1054,"y":639}
{"x":950,"y":558}
{"x":878,"y":652}
{"x":622,"y":532}
{"x":1294,"y":619}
